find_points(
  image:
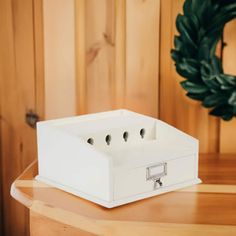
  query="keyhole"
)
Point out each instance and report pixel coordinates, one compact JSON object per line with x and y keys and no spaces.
{"x":125,"y":136}
{"x":142,"y":133}
{"x":108,"y":139}
{"x":157,"y":184}
{"x":90,"y":141}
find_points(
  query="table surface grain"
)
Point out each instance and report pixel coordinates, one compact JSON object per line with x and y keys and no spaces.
{"x":208,"y":208}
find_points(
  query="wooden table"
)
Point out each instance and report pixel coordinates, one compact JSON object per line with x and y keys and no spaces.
{"x":205,"y":209}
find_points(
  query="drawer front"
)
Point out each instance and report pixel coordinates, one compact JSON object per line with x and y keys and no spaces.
{"x":139,"y":180}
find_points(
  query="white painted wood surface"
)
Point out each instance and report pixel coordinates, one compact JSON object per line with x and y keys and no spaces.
{"x":89,"y":156}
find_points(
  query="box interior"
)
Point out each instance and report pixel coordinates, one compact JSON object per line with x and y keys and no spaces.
{"x":129,"y":139}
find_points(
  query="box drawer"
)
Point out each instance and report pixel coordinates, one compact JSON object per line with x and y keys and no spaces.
{"x":136,"y":181}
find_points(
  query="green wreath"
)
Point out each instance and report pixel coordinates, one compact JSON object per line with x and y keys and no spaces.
{"x":201,"y":28}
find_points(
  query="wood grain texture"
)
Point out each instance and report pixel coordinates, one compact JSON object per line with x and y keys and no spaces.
{"x":117,"y":45}
{"x":142,"y":56}
{"x":125,"y":72}
{"x":80,"y":60}
{"x":123,"y":61}
{"x":39,"y":58}
{"x":120,"y":53}
{"x":133,"y":228}
{"x":18,"y":96}
{"x":100,"y":57}
{"x":218,"y":168}
{"x":1,"y":190}
{"x":199,"y":207}
{"x":1,"y":163}
{"x":121,"y":41}
{"x":228,"y":129}
{"x":99,"y":46}
{"x":59,"y":58}
{"x":40,"y":225}
{"x":175,"y":107}
{"x":95,"y":43}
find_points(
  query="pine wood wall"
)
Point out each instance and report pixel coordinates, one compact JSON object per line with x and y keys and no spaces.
{"x":121,"y":60}
{"x":214,"y":135}
{"x":21,"y":86}
{"x":120,"y":57}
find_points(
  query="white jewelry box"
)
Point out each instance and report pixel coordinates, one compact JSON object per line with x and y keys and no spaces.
{"x":116,"y":157}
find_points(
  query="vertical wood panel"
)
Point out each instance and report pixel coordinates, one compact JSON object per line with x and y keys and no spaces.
{"x":175,"y":107}
{"x":81,"y":106}
{"x":100,"y":58}
{"x":142,"y":56}
{"x":39,"y":58}
{"x":59,"y":51}
{"x":1,"y":162}
{"x":99,"y":45}
{"x":1,"y":189}
{"x":18,"y":96}
{"x":2,"y":44}
{"x":43,"y":226}
{"x":121,"y":40}
{"x":120,"y":53}
{"x":7,"y":70}
{"x":228,"y":129}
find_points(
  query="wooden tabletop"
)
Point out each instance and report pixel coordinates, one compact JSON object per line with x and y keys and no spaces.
{"x":207,"y":209}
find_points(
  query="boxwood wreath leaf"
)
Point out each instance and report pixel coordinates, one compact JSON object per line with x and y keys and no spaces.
{"x":200,"y":29}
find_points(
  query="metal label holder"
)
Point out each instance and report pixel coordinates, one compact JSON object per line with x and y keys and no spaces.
{"x":156,"y":177}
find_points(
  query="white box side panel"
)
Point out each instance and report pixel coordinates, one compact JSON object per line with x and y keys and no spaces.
{"x":167,"y":134}
{"x":65,"y":159}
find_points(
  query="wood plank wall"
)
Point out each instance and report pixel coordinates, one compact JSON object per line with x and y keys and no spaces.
{"x":21,"y":82}
{"x":142,"y":56}
{"x":1,"y":189}
{"x":59,"y":48}
{"x":123,"y":60}
{"x":215,"y":135}
{"x":228,"y":129}
{"x":114,"y":70}
{"x":1,"y":163}
{"x":175,"y":107}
